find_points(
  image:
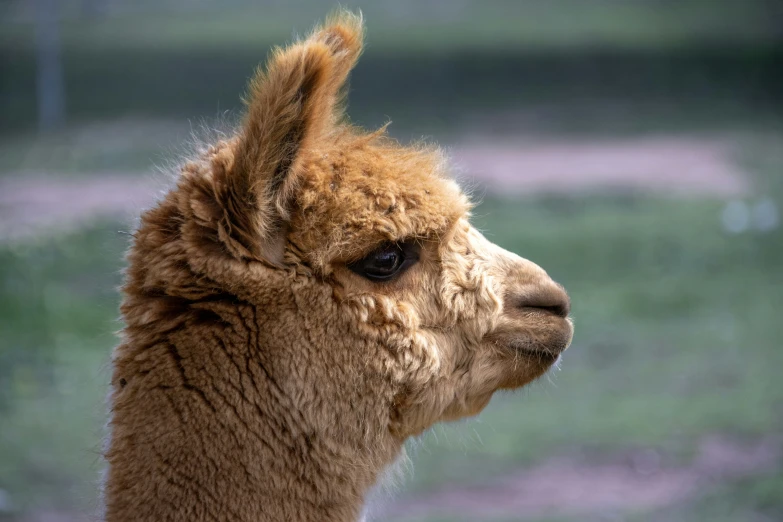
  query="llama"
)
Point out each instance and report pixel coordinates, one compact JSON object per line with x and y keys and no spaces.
{"x":306,"y":298}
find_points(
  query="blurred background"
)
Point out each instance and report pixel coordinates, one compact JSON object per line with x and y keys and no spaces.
{"x":634,"y":148}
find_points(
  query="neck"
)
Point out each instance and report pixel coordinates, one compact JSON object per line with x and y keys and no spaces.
{"x":202,"y":432}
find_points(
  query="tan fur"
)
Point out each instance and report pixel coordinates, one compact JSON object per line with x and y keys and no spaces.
{"x":259,"y":378}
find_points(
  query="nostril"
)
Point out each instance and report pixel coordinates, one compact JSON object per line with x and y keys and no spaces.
{"x":551,"y":298}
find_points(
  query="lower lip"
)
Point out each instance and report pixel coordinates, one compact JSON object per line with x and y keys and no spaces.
{"x":539,"y":354}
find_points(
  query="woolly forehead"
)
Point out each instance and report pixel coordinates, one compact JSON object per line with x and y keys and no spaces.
{"x":358,"y":196}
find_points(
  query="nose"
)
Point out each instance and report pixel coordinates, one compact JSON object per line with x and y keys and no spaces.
{"x":546,"y":295}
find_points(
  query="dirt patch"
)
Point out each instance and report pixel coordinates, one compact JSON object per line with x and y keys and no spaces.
{"x":31,"y":203}
{"x":670,"y":166}
{"x":566,"y":487}
{"x":34,"y":203}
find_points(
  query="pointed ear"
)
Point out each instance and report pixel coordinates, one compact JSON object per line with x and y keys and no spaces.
{"x":290,"y":104}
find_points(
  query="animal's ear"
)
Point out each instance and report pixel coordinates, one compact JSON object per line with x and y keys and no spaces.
{"x":293,"y":101}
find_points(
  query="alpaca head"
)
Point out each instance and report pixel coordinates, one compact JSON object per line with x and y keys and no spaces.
{"x":338,"y":267}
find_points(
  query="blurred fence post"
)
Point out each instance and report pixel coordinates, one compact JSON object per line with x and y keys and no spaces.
{"x":49,"y":70}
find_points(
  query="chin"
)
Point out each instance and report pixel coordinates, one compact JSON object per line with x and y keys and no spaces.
{"x":529,"y":371}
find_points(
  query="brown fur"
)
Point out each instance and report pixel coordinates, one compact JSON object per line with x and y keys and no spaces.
{"x":259,"y":378}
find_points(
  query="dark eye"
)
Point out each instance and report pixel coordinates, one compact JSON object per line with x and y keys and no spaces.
{"x":386,"y":262}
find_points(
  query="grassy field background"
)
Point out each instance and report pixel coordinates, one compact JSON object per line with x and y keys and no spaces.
{"x":677,"y":338}
{"x":677,"y":327}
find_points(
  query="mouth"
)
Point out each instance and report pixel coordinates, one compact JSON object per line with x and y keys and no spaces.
{"x":544,"y":342}
{"x":541,"y":353}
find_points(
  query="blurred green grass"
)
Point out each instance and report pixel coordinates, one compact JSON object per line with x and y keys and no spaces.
{"x":127,"y":145}
{"x":677,"y":336}
{"x":58,"y":304}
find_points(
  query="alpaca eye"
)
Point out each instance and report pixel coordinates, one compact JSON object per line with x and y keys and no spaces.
{"x":386,"y":262}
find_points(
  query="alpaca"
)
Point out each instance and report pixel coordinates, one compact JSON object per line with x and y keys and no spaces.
{"x":306,"y":298}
